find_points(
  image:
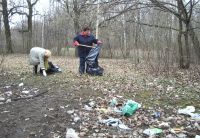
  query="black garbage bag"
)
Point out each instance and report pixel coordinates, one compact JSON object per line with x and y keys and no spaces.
{"x":52,"y":69}
{"x":92,"y":70}
{"x":92,"y":67}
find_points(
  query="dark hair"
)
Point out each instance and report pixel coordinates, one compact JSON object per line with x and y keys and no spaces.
{"x":86,"y":28}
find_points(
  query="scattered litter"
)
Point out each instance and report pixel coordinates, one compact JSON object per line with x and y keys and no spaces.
{"x":122,"y":126}
{"x":77,"y":118}
{"x":36,"y":91}
{"x":27,"y":119}
{"x":5,"y":111}
{"x":119,"y":96}
{"x":195,"y":116}
{"x":115,"y":122}
{"x":176,"y":130}
{"x":71,"y":133}
{"x":170,"y":88}
{"x":62,"y":107}
{"x":56,"y":135}
{"x":2,"y":99}
{"x":112,"y":122}
{"x":70,"y":111}
{"x":197,"y":126}
{"x":197,"y":136}
{"x":113,"y":102}
{"x":8,"y":100}
{"x":7,"y":87}
{"x":130,"y":107}
{"x":92,"y":103}
{"x":8,"y":93}
{"x":103,"y":110}
{"x":25,"y":92}
{"x":66,"y":106}
{"x":152,"y":132}
{"x":21,"y":84}
{"x":156,"y":115}
{"x":170,"y":136}
{"x":187,"y":111}
{"x":181,"y":135}
{"x":116,"y":110}
{"x":88,"y":108}
{"x":50,"y":109}
{"x":164,"y":125}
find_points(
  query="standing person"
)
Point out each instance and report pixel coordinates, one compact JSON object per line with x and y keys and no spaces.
{"x":39,"y":56}
{"x":85,"y":38}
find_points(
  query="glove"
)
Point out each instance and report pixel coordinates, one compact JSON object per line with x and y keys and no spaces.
{"x":76,"y":43}
{"x":44,"y":73}
{"x":99,"y":42}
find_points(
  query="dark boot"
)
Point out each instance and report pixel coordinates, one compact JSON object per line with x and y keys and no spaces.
{"x":95,"y":70}
{"x":35,"y":69}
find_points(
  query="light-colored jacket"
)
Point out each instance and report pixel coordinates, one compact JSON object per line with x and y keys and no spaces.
{"x":36,"y":56}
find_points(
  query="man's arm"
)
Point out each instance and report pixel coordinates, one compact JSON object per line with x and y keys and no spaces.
{"x":76,"y":43}
{"x":96,"y":41}
{"x":41,"y":58}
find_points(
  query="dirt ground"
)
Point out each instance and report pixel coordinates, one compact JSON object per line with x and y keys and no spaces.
{"x":46,"y":107}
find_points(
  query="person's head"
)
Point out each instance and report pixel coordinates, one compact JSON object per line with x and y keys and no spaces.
{"x":86,"y":30}
{"x":47,"y":53}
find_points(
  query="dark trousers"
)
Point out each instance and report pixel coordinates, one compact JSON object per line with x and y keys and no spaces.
{"x":83,"y":53}
{"x":83,"y":64}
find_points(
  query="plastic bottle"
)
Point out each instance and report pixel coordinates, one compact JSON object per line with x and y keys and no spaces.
{"x":113,"y":102}
{"x":152,"y":132}
{"x":129,"y":108}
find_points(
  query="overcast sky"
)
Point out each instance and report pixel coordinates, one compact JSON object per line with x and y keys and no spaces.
{"x":41,"y":6}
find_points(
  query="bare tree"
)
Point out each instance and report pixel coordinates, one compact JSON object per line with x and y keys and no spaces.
{"x":30,"y":16}
{"x":5,"y":12}
{"x":184,"y":13}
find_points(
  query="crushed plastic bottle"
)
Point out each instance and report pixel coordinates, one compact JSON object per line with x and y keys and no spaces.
{"x":152,"y":132}
{"x":130,"y":108}
{"x":197,"y":136}
{"x":113,"y":102}
{"x":71,"y":133}
{"x":187,"y":111}
{"x":156,"y":114}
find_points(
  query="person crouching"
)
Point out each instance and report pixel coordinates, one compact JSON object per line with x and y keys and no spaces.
{"x":39,"y":56}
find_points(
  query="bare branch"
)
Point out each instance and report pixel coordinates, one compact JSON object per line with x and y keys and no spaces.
{"x":153,"y":25}
{"x":34,"y":3}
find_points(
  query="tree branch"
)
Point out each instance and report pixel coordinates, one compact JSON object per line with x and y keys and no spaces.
{"x":153,"y":25}
{"x":34,"y":3}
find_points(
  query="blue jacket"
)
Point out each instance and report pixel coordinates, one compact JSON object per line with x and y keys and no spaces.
{"x":85,"y":40}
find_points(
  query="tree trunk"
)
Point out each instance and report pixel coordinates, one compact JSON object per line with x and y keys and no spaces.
{"x":195,"y":41}
{"x":30,"y":22}
{"x":7,"y":27}
{"x":187,"y":65}
{"x":76,"y":21}
{"x":181,"y":59}
{"x":30,"y":15}
{"x":109,"y":46}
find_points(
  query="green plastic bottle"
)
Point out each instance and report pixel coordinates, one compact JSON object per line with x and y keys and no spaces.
{"x":129,"y":108}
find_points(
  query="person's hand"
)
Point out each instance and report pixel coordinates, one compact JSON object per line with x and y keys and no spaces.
{"x":76,"y":43}
{"x":44,"y":73}
{"x":99,"y":42}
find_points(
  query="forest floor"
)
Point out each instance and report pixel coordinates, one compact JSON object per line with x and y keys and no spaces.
{"x":47,"y":107}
